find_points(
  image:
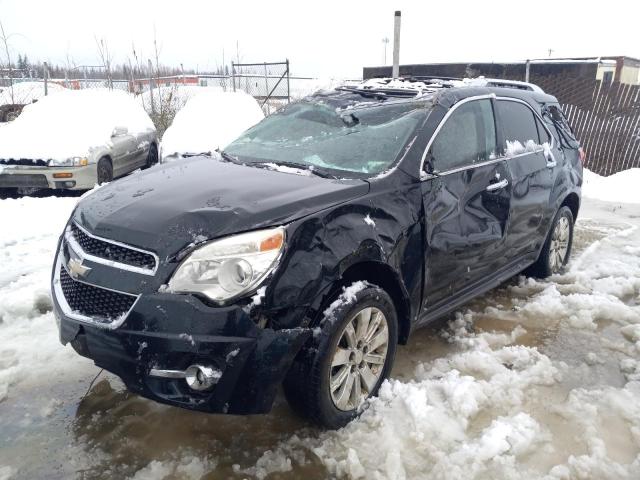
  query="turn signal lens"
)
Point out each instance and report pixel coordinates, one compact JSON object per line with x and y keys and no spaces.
{"x":274,"y":242}
{"x":62,"y":175}
{"x":583,"y":155}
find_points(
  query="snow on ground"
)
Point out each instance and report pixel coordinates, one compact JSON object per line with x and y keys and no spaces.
{"x":535,"y":380}
{"x":210,"y":120}
{"x":620,"y":187}
{"x":56,"y":127}
{"x":26,"y":92}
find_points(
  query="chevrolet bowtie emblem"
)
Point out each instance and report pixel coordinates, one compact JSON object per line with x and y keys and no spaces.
{"x":76,"y":268}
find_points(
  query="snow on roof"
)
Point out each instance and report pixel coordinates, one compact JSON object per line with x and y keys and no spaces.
{"x":71,"y":123}
{"x":26,"y":92}
{"x":173,"y":97}
{"x":210,"y":120}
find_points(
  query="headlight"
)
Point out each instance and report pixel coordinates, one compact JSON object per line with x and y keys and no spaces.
{"x":69,"y":162}
{"x":227,"y":268}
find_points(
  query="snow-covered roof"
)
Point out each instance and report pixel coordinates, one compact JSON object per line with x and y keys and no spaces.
{"x":418,"y":86}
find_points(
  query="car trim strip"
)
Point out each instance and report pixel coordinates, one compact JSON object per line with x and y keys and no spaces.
{"x":69,"y":312}
{"x":424,"y":176}
{"x":68,"y":235}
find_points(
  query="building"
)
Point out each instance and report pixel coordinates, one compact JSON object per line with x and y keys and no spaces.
{"x":620,"y":69}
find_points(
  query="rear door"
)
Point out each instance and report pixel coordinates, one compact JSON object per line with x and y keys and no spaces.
{"x":466,"y":198}
{"x":532,"y":164}
{"x":123,"y":153}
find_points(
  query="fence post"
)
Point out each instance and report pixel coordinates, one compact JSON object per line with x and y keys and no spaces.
{"x":46,"y":78}
{"x":153,"y":107}
{"x":527,"y":70}
{"x":288,"y":79}
{"x":233,"y":75}
{"x":182,"y":71}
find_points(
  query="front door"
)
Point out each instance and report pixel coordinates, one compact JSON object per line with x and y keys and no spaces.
{"x":466,"y":200}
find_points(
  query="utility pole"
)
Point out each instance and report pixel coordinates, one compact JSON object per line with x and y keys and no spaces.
{"x":395,"y":71}
{"x":385,"y":42}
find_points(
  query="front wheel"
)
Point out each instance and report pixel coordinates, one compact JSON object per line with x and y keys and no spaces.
{"x":349,"y":359}
{"x":105,"y":171}
{"x":557,"y":247}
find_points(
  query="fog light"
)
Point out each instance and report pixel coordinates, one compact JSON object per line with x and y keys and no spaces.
{"x":63,"y":175}
{"x":200,"y":378}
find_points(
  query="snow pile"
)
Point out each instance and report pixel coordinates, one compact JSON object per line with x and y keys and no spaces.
{"x":622,"y":187}
{"x":186,"y":468}
{"x":210,"y":120}
{"x":71,"y":123}
{"x":26,"y":92}
{"x":28,"y":333}
{"x":171,"y":98}
{"x":516,"y":148}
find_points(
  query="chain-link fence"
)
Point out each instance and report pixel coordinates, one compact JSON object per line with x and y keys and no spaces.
{"x":268,"y":83}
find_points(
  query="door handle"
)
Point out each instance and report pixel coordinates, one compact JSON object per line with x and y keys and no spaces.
{"x":492,"y":187}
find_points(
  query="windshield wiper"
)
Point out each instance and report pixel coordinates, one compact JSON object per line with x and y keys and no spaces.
{"x":319,"y":171}
{"x":228,"y":157}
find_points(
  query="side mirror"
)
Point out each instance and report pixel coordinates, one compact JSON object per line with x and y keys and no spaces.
{"x":119,"y":131}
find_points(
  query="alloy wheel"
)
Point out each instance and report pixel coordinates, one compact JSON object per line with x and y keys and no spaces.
{"x":358,"y":359}
{"x":559,"y":244}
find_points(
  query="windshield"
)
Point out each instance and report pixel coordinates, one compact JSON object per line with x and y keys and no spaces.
{"x":359,"y":140}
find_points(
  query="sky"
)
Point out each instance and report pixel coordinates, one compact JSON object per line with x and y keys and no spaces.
{"x":321,"y":39}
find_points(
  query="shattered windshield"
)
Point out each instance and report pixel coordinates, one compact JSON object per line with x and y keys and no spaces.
{"x":359,"y":140}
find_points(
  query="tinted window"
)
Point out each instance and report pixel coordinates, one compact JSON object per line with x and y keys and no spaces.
{"x":518,"y":122}
{"x":467,"y":137}
{"x":542,"y":133}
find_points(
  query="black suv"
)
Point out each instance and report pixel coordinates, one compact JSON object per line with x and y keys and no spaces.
{"x":312,"y":245}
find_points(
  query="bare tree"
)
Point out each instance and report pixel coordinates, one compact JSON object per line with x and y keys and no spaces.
{"x":106,"y":58}
{"x":5,"y":41}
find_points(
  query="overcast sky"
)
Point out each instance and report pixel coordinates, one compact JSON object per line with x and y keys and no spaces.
{"x":321,"y":39}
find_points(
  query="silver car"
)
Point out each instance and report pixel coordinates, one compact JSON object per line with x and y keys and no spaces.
{"x":75,"y":140}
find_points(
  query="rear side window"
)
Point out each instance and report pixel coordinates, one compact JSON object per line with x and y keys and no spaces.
{"x":552,"y":114}
{"x":543,"y":134}
{"x":467,"y":137}
{"x":519,"y":126}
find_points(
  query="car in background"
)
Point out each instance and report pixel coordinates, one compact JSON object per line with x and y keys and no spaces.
{"x":209,"y":120}
{"x":14,"y":98}
{"x":75,"y":140}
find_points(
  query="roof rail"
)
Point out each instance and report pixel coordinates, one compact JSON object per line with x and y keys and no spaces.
{"x":499,"y":82}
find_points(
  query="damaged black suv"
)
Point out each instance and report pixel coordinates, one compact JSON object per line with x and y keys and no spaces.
{"x":312,"y":245}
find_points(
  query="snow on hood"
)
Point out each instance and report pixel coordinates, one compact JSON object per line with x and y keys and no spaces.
{"x":71,"y":123}
{"x":210,"y":120}
{"x":26,"y":92}
{"x":620,"y":187}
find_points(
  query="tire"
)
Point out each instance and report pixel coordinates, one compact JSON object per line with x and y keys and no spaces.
{"x":359,"y":357}
{"x":152,"y":156}
{"x":557,"y":247}
{"x":105,"y":171}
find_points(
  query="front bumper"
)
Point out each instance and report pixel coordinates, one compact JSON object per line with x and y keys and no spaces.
{"x":19,"y":176}
{"x":167,"y":331}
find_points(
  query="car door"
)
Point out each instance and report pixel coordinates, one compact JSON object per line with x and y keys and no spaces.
{"x":466,"y":198}
{"x":532,"y":166}
{"x":122,"y":151}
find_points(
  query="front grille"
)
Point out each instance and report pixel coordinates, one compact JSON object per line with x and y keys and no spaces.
{"x":24,"y":161}
{"x":101,"y":305}
{"x":112,"y":252}
{"x":23,"y":180}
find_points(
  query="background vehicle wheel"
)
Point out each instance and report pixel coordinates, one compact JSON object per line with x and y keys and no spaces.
{"x":347,"y":361}
{"x":557,"y":248}
{"x":105,"y":171}
{"x":152,"y":156}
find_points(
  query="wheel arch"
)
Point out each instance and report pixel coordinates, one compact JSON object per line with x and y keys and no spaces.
{"x":572,"y":200}
{"x":382,"y":275}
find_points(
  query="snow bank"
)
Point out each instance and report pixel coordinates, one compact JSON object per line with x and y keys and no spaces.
{"x":172,"y":98}
{"x":210,"y":120}
{"x":71,"y":123}
{"x":26,"y":92}
{"x":623,"y":187}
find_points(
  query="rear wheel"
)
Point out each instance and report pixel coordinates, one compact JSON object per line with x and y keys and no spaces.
{"x":105,"y":171}
{"x":557,"y":248}
{"x":348,"y":360}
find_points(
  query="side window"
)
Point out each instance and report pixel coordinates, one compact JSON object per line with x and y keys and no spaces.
{"x":543,"y":134}
{"x":519,"y":126}
{"x":467,"y":137}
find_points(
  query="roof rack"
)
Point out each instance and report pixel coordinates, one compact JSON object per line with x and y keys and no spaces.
{"x":417,"y":85}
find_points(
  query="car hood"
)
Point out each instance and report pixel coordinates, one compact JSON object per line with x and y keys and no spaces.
{"x":170,"y":206}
